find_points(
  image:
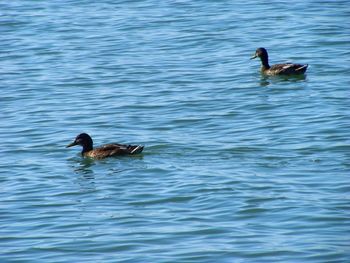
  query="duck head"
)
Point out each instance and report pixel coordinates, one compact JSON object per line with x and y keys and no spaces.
{"x":264,"y":57}
{"x":261,"y":53}
{"x":84,"y":140}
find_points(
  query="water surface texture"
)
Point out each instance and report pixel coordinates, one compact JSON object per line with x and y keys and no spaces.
{"x":236,"y":168}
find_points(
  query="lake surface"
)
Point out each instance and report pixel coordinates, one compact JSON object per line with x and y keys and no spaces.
{"x":236,"y":168}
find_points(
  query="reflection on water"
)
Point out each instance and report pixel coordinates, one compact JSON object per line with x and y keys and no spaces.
{"x":85,"y":176}
{"x":82,"y":166}
{"x":267,"y":80}
{"x":264,"y":81}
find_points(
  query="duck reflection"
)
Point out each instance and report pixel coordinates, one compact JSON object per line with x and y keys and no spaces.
{"x":82,"y":166}
{"x":265,"y":80}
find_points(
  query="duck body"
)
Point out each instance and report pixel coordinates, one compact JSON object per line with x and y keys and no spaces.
{"x":278,"y":69}
{"x":107,"y":150}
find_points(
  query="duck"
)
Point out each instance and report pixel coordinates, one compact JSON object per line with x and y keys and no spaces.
{"x":106,"y":150}
{"x":278,"y":69}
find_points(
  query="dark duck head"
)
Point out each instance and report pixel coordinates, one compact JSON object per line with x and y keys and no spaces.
{"x":103,"y":151}
{"x":264,"y":57}
{"x":278,"y":69}
{"x":84,"y":140}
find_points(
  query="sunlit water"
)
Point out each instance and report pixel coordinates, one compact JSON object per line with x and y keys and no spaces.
{"x":236,"y":167}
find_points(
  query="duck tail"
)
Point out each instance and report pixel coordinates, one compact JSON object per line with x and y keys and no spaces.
{"x":302,"y":68}
{"x":138,"y":149}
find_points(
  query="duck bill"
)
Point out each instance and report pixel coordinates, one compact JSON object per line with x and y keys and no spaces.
{"x":71,"y":144}
{"x":255,"y":56}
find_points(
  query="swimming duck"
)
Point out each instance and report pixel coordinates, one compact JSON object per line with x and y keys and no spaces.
{"x":103,"y":151}
{"x":278,"y":69}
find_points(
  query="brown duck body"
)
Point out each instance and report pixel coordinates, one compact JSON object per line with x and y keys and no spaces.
{"x":114,"y":149}
{"x":284,"y":69}
{"x":278,"y":69}
{"x":107,"y":150}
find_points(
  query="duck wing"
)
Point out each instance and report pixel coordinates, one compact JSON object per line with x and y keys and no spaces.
{"x":115,"y":149}
{"x":288,"y":69}
{"x":126,"y":148}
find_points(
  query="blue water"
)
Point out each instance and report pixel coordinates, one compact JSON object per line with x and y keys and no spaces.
{"x":236,"y":168}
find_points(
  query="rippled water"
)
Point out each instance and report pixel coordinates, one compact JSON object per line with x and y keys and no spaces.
{"x":237,"y":167}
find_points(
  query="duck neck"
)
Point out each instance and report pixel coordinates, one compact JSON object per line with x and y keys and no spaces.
{"x":86,"y":148}
{"x":265,"y":63}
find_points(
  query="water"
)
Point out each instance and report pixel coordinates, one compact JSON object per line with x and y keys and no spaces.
{"x":237,"y":167}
